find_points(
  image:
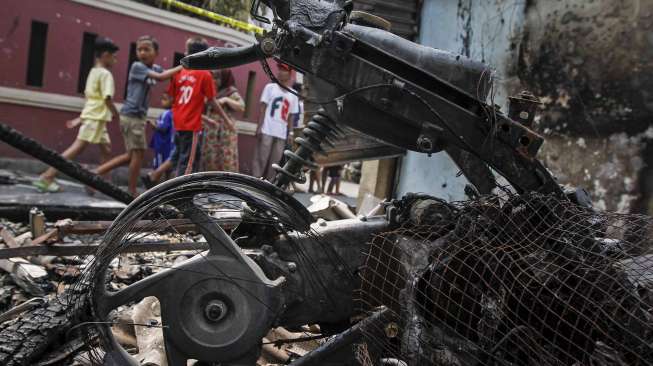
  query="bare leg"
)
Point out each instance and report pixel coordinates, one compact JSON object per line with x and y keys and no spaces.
{"x":105,"y":155}
{"x":276,"y":153}
{"x":157,"y":174}
{"x":338,"y":186}
{"x":324,"y":178}
{"x":112,"y":164}
{"x":331,"y":185}
{"x":261,"y":155}
{"x":135,"y":164}
{"x":320,"y":186}
{"x":312,"y":179}
{"x":71,"y":152}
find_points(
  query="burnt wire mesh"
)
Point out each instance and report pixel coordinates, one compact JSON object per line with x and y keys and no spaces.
{"x":523,"y":280}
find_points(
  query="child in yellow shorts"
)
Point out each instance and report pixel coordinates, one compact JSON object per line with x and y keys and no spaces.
{"x":98,"y":110}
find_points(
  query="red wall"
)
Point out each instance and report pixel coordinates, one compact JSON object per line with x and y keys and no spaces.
{"x":46,"y":126}
{"x":67,"y":21}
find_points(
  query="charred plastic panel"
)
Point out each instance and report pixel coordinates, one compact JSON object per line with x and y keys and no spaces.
{"x":403,"y":14}
{"x":590,"y":61}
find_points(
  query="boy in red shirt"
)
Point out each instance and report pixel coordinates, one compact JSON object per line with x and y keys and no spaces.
{"x":190,"y":91}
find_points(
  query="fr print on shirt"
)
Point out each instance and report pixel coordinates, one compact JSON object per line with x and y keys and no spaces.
{"x":280,"y":104}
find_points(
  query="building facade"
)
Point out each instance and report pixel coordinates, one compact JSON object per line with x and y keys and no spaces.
{"x":46,"y":52}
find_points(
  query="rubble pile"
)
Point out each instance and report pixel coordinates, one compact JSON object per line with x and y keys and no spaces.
{"x":32,"y":280}
{"x":11,"y":294}
{"x":23,"y":280}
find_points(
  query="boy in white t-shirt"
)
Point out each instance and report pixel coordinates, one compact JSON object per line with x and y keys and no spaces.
{"x":279,"y":106}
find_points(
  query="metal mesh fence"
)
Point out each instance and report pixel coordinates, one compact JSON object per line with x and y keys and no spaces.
{"x":523,"y":280}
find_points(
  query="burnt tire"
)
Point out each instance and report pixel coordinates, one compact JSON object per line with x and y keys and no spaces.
{"x":24,"y":340}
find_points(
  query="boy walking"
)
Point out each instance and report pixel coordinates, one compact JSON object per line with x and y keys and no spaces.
{"x":98,"y":110}
{"x":190,"y":90}
{"x":143,"y":74}
{"x":280,"y":106}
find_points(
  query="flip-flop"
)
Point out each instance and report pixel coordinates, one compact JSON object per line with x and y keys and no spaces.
{"x":46,"y":187}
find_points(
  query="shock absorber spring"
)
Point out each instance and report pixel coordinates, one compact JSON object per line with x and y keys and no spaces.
{"x":321,"y":129}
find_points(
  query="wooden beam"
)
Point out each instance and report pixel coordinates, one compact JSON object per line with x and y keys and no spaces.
{"x":99,"y":227}
{"x":90,"y":249}
{"x":8,"y":238}
{"x":377,"y":179}
{"x":50,"y":234}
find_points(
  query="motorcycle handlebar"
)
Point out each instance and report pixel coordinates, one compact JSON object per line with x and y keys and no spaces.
{"x":222,"y":57}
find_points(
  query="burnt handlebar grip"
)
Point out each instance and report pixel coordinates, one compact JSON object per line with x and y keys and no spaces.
{"x":222,"y":57}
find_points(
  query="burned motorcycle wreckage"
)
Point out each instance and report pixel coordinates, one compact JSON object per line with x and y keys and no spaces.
{"x":531,"y":276}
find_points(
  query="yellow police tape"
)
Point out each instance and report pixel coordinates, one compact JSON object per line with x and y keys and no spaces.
{"x":244,"y":26}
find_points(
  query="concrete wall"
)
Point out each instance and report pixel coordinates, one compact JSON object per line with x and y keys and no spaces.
{"x":481,"y":30}
{"x":608,"y":167}
{"x":589,"y":60}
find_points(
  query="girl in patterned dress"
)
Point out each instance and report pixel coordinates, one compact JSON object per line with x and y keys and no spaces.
{"x":220,"y":148}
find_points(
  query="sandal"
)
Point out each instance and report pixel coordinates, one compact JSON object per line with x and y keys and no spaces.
{"x":147,"y":181}
{"x":46,"y":187}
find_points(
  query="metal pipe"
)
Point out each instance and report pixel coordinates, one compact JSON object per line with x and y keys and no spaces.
{"x":70,"y":168}
{"x":350,"y":336}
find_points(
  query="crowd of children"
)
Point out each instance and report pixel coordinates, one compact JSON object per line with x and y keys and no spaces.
{"x":191,"y":91}
{"x":197,"y":129}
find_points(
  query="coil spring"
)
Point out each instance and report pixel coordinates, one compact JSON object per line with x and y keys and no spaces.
{"x":321,"y":129}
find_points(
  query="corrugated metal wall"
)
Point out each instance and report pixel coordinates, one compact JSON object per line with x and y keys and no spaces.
{"x":403,"y":14}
